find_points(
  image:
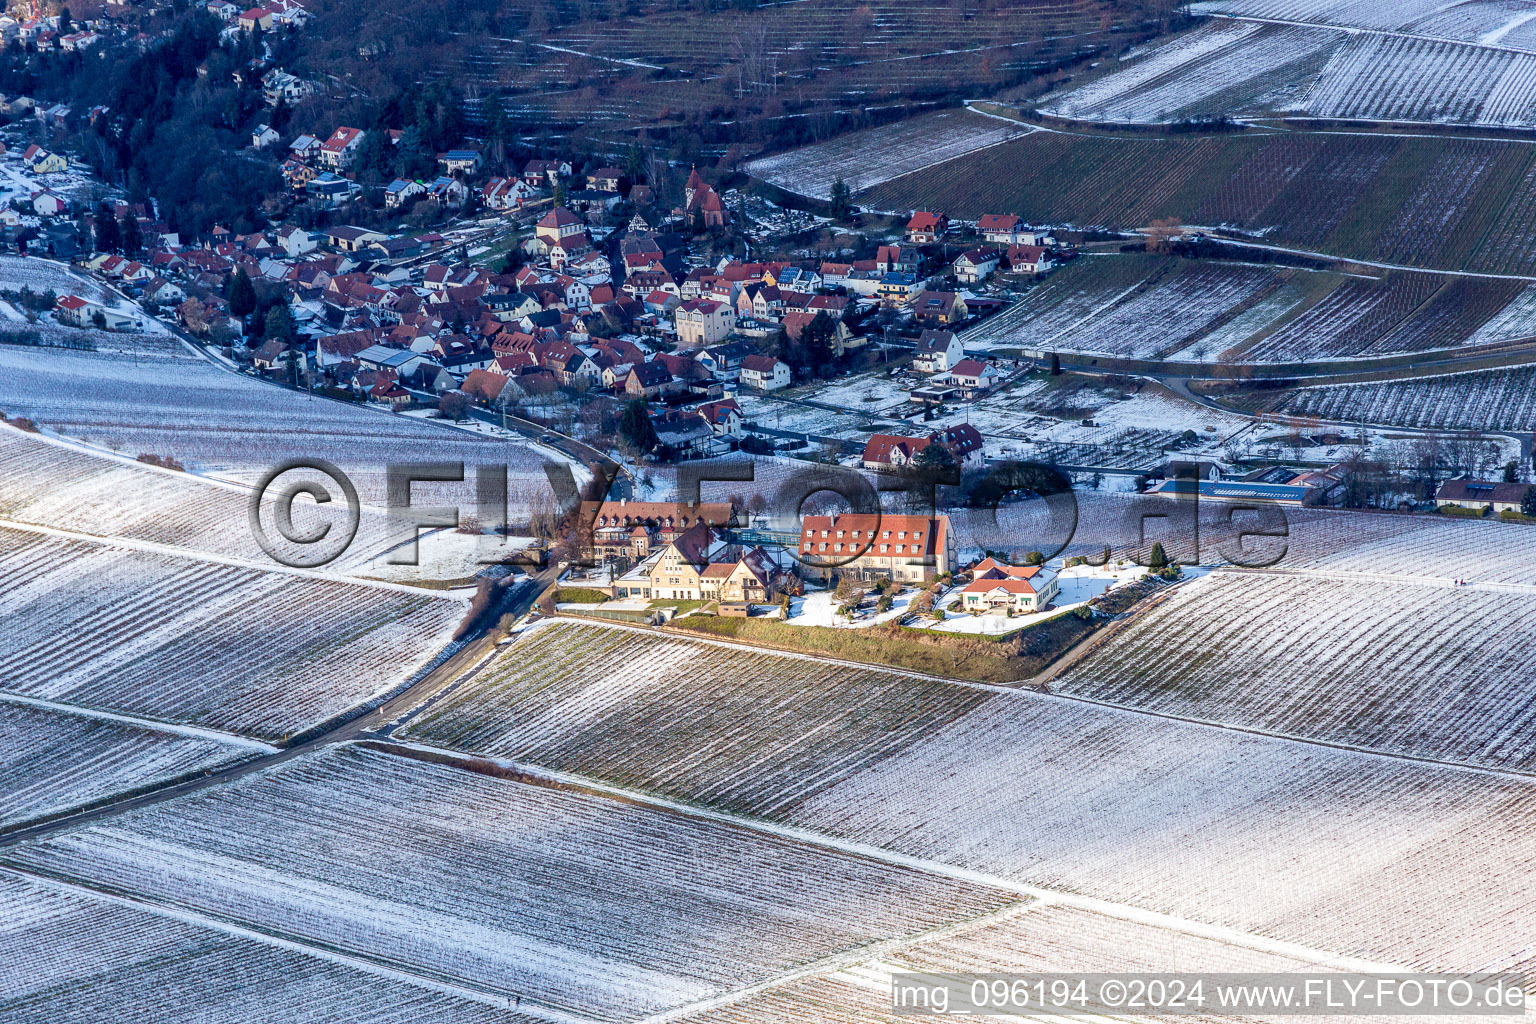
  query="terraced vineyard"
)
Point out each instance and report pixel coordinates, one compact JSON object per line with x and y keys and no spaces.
{"x":262,"y":653}
{"x":571,"y":689}
{"x":70,"y":955}
{"x":54,"y":761}
{"x":1313,"y":62}
{"x":1484,"y":400}
{"x":1349,"y":661}
{"x":1221,"y":67}
{"x":1208,"y":824}
{"x":880,"y":154}
{"x":575,"y":902}
{"x":1152,"y":307}
{"x":50,"y":483}
{"x":223,"y":422}
{"x":1437,"y":203}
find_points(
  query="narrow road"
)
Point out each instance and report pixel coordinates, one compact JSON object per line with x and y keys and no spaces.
{"x":462,"y":666}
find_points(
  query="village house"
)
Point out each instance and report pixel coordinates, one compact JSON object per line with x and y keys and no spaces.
{"x":996,"y":589}
{"x":892,"y":451}
{"x":1002,"y":228}
{"x":725,"y":360}
{"x":673,"y":572}
{"x":40,"y":161}
{"x":904,"y":548}
{"x":939,"y":308}
{"x":976,"y":265}
{"x":278,"y":86}
{"x":400,"y":191}
{"x":751,"y":579}
{"x":48,"y":204}
{"x":545,"y":173}
{"x":936,"y":351}
{"x":634,"y":529}
{"x":899,"y":289}
{"x":347,"y":238}
{"x":460,"y":161}
{"x":506,"y":193}
{"x":78,"y":312}
{"x":295,"y":241}
{"x":339,"y":151}
{"x":684,"y":434}
{"x":1463,"y":492}
{"x":254,"y":18}
{"x":703,"y":322}
{"x":973,"y":375}
{"x":925,"y":228}
{"x":558,"y":226}
{"x":649,"y":380}
{"x":1029,"y":259}
{"x":723,"y":417}
{"x":605,"y":179}
{"x":764,"y":373}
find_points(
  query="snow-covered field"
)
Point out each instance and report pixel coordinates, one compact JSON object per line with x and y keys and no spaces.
{"x":1419,"y":667}
{"x":186,"y":640}
{"x":1217,"y":68}
{"x":58,"y":484}
{"x":1203,"y":312}
{"x":575,"y":902}
{"x":219,"y":422}
{"x":68,"y":954}
{"x":566,"y":692}
{"x":1338,"y":850}
{"x":1481,"y":400}
{"x":1470,"y":63}
{"x":866,"y":158}
{"x":53,"y":760}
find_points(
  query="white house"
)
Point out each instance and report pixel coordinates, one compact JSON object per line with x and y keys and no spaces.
{"x":1002,"y":228}
{"x":1030,"y":259}
{"x":723,"y":417}
{"x":1008,"y":589}
{"x":397,"y":192}
{"x":973,"y":374}
{"x":295,"y":241}
{"x":937,"y":351}
{"x":976,"y":265}
{"x":46,"y":204}
{"x":765,"y":373}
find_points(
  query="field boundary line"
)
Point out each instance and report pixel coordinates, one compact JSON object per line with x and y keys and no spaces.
{"x":191,"y":554}
{"x":1361,"y":30}
{"x":199,"y":919}
{"x":1026,"y":689}
{"x":152,"y":724}
{"x":1348,"y":575}
{"x":866,"y":956}
{"x":879,"y":854}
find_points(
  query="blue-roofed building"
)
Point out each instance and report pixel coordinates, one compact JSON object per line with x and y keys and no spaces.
{"x":1236,"y":490}
{"x":459,"y":161}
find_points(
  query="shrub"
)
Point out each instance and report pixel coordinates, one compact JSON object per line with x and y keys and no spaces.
{"x":163,"y":461}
